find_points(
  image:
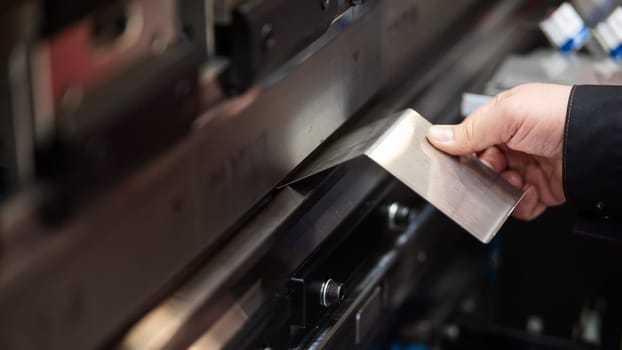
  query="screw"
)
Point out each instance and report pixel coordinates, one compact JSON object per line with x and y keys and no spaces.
{"x":331,"y":293}
{"x":398,"y":216}
{"x":325,"y":4}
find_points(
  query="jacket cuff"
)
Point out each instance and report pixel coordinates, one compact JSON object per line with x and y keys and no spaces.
{"x":592,"y":153}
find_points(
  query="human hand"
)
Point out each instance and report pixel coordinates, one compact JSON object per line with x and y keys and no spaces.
{"x":520,"y":135}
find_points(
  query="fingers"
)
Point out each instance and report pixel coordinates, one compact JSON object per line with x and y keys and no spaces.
{"x":528,"y":118}
{"x":521,"y":172}
{"x":493,"y":123}
{"x":553,"y":174}
{"x":537,"y":195}
{"x":535,"y":175}
{"x":509,"y":133}
{"x":530,"y":206}
{"x":528,"y":176}
{"x":513,"y":178}
{"x":494,"y":158}
{"x":543,"y":174}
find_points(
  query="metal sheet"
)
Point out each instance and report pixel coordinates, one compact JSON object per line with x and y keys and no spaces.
{"x":464,"y":189}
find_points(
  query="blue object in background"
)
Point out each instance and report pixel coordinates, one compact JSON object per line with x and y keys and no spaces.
{"x":408,"y":346}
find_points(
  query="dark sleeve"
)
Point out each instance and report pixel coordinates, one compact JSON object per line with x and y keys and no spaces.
{"x":592,"y":158}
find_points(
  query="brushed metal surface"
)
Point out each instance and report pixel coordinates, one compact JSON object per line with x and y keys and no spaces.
{"x":469,"y":193}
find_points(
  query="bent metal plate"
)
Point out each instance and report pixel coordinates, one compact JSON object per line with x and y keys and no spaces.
{"x":468,"y":192}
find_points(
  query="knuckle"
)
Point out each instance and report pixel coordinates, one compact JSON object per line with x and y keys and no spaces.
{"x":469,"y":130}
{"x":502,"y":104}
{"x":518,"y":214}
{"x":503,"y":97}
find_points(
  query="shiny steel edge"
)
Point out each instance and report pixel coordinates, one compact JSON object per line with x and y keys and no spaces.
{"x":469,"y":193}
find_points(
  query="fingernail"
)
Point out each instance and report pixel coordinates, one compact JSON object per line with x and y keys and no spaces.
{"x":487,"y":163}
{"x":442,"y":134}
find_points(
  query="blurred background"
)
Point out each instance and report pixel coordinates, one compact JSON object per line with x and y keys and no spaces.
{"x":149,"y":197}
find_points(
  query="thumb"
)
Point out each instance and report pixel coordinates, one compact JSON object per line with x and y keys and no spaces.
{"x":489,"y":125}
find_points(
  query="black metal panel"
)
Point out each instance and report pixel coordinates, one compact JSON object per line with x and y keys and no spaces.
{"x":561,"y":275}
{"x":264,"y":34}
